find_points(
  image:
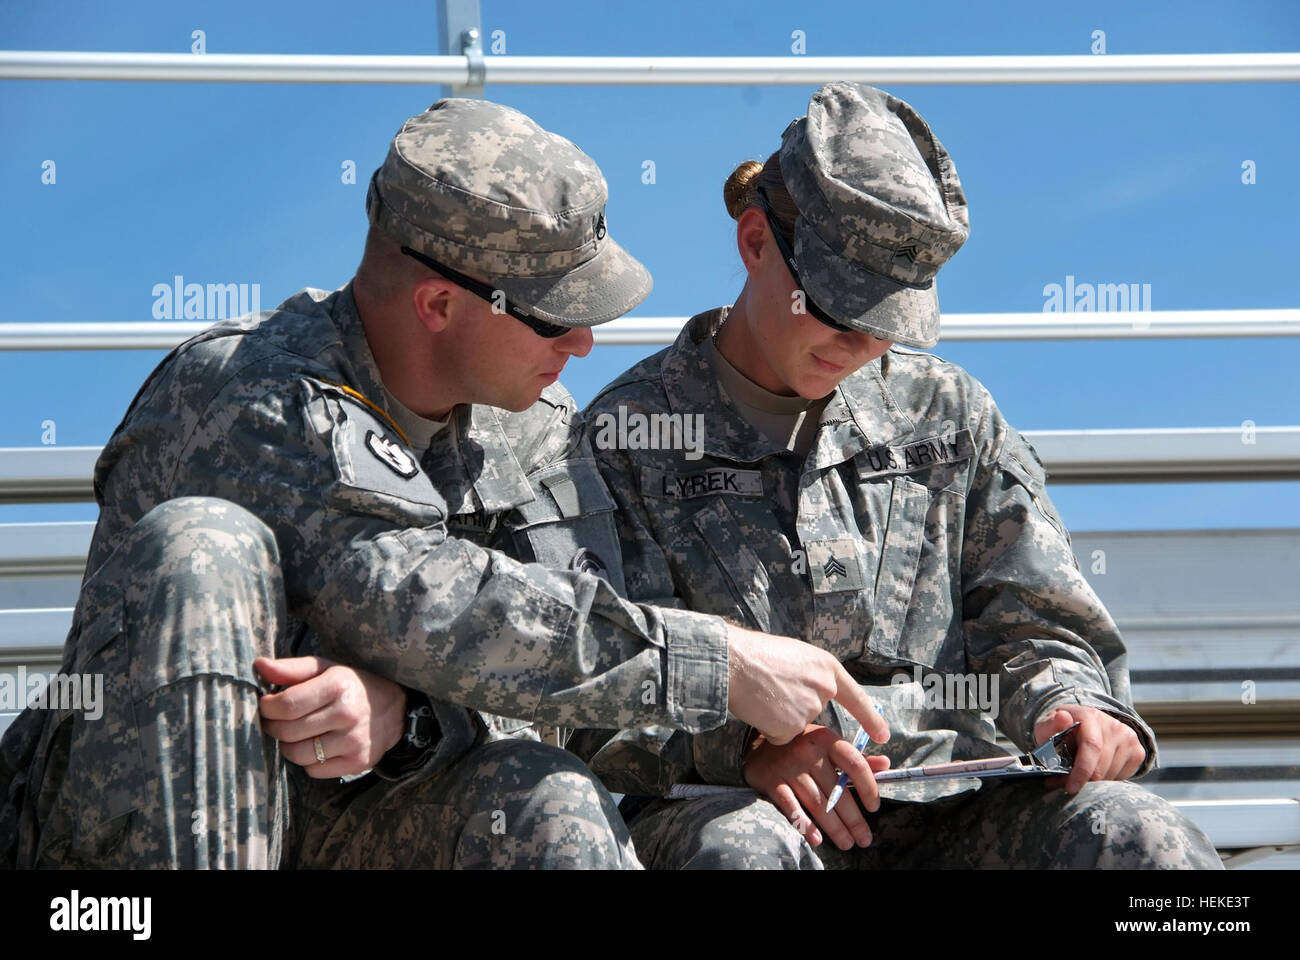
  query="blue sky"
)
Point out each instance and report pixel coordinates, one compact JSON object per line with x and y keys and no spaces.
{"x":241,"y":183}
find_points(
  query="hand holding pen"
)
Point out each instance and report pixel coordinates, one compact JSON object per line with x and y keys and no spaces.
{"x":859,"y":744}
{"x":797,"y":778}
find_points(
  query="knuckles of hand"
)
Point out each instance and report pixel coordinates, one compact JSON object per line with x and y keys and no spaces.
{"x":349,"y":712}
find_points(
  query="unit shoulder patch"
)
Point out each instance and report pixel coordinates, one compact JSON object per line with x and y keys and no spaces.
{"x":392,"y":454}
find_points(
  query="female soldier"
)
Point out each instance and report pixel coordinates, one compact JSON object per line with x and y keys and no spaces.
{"x":872,"y":501}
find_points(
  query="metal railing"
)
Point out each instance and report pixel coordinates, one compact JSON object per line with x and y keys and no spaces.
{"x":1106,"y":325}
{"x":802,"y":70}
{"x":1082,"y":456}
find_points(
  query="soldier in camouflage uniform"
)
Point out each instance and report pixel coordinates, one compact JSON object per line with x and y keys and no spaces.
{"x":874,"y":502}
{"x":271,"y":496}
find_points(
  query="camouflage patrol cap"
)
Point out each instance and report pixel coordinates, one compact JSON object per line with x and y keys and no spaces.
{"x":485,"y":190}
{"x":881,"y":210}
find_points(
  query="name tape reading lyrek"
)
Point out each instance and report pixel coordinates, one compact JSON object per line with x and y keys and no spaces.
{"x":700,"y":483}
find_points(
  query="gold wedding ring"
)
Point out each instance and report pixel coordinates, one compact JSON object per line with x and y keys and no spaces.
{"x":320,"y":750}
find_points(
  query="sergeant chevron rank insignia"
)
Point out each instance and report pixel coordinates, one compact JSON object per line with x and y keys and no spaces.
{"x":908,"y":252}
{"x":391,"y":455}
{"x":833,"y":566}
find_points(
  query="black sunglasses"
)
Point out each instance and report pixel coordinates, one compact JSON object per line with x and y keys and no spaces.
{"x":493,"y":296}
{"x":788,"y":256}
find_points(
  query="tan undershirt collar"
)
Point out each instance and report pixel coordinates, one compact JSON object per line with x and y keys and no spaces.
{"x":789,"y":421}
{"x":419,"y":430}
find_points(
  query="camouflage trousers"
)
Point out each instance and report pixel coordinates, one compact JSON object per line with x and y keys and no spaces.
{"x":177,"y":773}
{"x":1106,"y":825}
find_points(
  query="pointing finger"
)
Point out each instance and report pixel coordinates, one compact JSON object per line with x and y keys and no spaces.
{"x":852,"y":698}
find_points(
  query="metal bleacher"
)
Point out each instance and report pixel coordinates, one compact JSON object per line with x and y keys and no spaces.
{"x":1211,"y":617}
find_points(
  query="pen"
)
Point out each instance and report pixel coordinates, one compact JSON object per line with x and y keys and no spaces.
{"x":859,"y":744}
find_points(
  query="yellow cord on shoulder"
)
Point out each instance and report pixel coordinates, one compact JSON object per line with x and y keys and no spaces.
{"x":369,"y":403}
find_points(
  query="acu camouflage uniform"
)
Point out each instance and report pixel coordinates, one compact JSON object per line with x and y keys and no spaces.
{"x":258,"y":499}
{"x":916,"y":535}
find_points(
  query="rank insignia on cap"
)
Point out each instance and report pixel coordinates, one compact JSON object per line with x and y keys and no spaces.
{"x":586,"y":561}
{"x":833,"y":567}
{"x":391,"y":454}
{"x":908,"y":251}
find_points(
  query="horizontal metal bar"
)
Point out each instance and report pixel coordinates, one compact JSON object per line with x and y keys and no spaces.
{"x":47,"y":474}
{"x":1210,"y":773}
{"x":1277,"y":857}
{"x":1254,"y":654}
{"x":1118,"y":68}
{"x":1155,"y":697}
{"x":1223,"y":622}
{"x":1120,"y":325}
{"x":639,"y":331}
{"x":1209,"y":455}
{"x":967,"y":327}
{"x":1221,"y":789}
{"x":793,"y":69}
{"x":1238,"y":751}
{"x":1233,"y":674}
{"x":27,"y":636}
{"x":1246,"y":823}
{"x":147,"y":335}
{"x":231,"y":67}
{"x":44,"y":549}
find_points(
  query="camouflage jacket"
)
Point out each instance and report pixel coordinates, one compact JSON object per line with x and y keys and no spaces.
{"x":916,"y":542}
{"x":414,"y":572}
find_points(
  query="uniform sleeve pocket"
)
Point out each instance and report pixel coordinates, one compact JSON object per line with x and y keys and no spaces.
{"x":569,"y":525}
{"x":377,"y":474}
{"x":1033,"y":478}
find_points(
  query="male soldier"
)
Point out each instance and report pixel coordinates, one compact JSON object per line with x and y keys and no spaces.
{"x":358,"y":475}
